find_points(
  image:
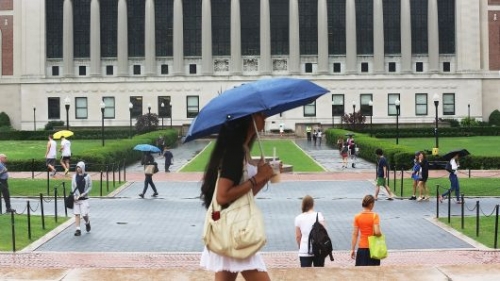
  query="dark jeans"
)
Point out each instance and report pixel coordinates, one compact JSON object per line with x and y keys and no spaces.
{"x":454,"y":186}
{"x":149,"y":180}
{"x":5,"y":192}
{"x":309,"y":261}
{"x":167,"y":167}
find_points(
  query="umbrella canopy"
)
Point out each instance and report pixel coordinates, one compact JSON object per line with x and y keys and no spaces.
{"x":270,"y":96}
{"x":146,"y":148}
{"x":349,"y":134}
{"x":63,"y":133}
{"x":461,"y":152}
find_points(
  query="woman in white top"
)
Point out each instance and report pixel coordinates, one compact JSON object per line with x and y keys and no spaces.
{"x":303,"y":225}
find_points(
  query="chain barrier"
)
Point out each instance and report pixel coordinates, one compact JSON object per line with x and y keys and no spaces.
{"x":35,"y":209}
{"x":481,"y":209}
{"x":469,"y":209}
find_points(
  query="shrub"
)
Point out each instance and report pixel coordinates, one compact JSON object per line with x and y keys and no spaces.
{"x":4,"y":120}
{"x":469,"y":122}
{"x":494,"y":118}
{"x":354,"y":119}
{"x":51,"y":124}
{"x":146,"y":123}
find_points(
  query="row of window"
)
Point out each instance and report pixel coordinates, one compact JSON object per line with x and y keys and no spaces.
{"x":164,"y":106}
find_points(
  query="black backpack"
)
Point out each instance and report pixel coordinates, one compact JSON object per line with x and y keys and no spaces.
{"x":319,"y":241}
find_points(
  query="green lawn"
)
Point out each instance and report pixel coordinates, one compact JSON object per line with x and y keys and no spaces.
{"x":482,"y":145}
{"x":33,"y":187}
{"x":468,"y":186}
{"x":286,"y":150}
{"x":21,"y":230}
{"x":486,"y":229}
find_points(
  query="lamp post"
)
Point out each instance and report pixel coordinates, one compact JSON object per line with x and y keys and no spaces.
{"x":162,"y":110}
{"x":333,"y":114}
{"x":103,"y":106}
{"x":130,"y":106}
{"x":436,"y":134}
{"x":468,"y":115}
{"x":66,"y":104}
{"x":149,"y":117}
{"x":34,"y":117}
{"x":353,"y":115}
{"x":370,"y":104}
{"x":397,"y":104}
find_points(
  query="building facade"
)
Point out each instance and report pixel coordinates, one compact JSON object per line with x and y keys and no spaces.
{"x":65,"y":57}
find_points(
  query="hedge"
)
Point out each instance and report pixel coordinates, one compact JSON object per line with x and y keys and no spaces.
{"x":424,"y":132}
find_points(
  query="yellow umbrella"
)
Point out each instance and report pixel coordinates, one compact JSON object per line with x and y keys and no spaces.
{"x":63,"y":133}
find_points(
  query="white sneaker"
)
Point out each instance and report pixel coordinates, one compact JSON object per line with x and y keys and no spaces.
{"x":420,"y":199}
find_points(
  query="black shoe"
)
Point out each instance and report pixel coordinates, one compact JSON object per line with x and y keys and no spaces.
{"x":390,"y":198}
{"x":87,"y":227}
{"x":154,"y":195}
{"x":141,"y":195}
{"x":9,"y":210}
{"x":413,"y":198}
{"x":78,"y":232}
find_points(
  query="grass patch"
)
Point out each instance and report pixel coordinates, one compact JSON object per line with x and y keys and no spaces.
{"x":286,"y":150}
{"x":480,"y":145}
{"x":33,"y":187}
{"x":486,"y":228}
{"x":21,"y":230}
{"x":468,"y":186}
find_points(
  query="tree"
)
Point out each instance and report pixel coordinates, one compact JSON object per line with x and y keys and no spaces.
{"x":4,"y":120}
{"x":494,"y":118}
{"x":353,"y":120}
{"x":146,"y":123}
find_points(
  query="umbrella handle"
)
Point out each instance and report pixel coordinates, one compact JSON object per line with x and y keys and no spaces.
{"x":258,"y":138}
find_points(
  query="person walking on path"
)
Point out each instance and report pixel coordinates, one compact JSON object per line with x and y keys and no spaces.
{"x":235,"y":173}
{"x":4,"y":184}
{"x":344,"y":152}
{"x":423,"y":176}
{"x":303,"y":226}
{"x":150,"y":167}
{"x":315,"y":136}
{"x":51,"y":155}
{"x":415,"y":175}
{"x":366,"y":223}
{"x":81,"y":185}
{"x":452,"y":168}
{"x":382,"y":175}
{"x":65,"y":154}
{"x":167,"y":154}
{"x":319,"y":136}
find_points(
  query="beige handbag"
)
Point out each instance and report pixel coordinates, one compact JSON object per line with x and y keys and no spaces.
{"x":237,"y":231}
{"x":149,"y":169}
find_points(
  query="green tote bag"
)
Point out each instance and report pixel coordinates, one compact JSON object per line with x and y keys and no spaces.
{"x":378,"y":248}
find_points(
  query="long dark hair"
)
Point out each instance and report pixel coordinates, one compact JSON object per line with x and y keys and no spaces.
{"x":229,"y":144}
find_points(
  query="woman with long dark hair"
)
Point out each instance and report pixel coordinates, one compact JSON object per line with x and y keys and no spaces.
{"x":229,"y":159}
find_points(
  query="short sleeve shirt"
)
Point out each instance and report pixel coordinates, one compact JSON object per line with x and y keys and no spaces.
{"x":365,"y":221}
{"x":3,"y":176}
{"x":382,"y":162}
{"x":66,"y":144}
{"x":305,"y":222}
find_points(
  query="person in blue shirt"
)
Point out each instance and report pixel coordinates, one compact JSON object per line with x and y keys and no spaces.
{"x":4,"y":185}
{"x":382,"y":175}
{"x":415,"y":175}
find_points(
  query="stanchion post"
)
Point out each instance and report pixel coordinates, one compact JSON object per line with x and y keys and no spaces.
{"x":469,"y":173}
{"x":55,"y":203}
{"x":64,"y":196}
{"x":477,"y":218}
{"x":113,"y":167}
{"x":395,"y":176}
{"x":496,"y":228}
{"x":462,"y":211}
{"x":437,"y":201}
{"x":1,"y":211}
{"x":402,"y":171}
{"x":107,"y":178}
{"x":48,"y":183}
{"x":13,"y":231}
{"x":41,"y":210}
{"x":119,"y":172}
{"x":101,"y":184}
{"x":32,"y":168}
{"x":449,"y":206}
{"x":124,"y":171}
{"x":28,"y":208}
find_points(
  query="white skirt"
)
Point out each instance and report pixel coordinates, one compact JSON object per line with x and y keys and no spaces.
{"x":215,"y":262}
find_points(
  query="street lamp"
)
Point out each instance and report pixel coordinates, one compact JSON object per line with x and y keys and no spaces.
{"x":34,"y":117}
{"x":333,"y":114}
{"x":468,"y":115}
{"x":370,"y":104}
{"x":103,"y":106}
{"x":130,"y":106}
{"x":397,"y":103}
{"x":353,"y":115}
{"x":436,"y":104}
{"x":66,"y":104}
{"x":149,"y":117}
{"x":162,"y":110}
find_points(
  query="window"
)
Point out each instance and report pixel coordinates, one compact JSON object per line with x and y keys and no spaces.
{"x":336,"y":27}
{"x":137,"y":69}
{"x":392,"y":26}
{"x":338,"y":105}
{"x":192,"y":69}
{"x":308,"y":28}
{"x":164,"y":27}
{"x":55,"y":70}
{"x":446,"y":22}
{"x":419,"y":67}
{"x":136,"y":106}
{"x":364,"y":101}
{"x":392,"y":67}
{"x":279,"y":12}
{"x":418,"y":16}
{"x":446,"y":67}
{"x":81,"y":29}
{"x":164,"y":107}
{"x":448,"y":104}
{"x":364,"y":27}
{"x":136,"y":10}
{"x":250,"y":27}
{"x":109,"y":27}
{"x":309,"y":67}
{"x":310,"y":109}
{"x":81,"y":108}
{"x":164,"y":69}
{"x":364,"y":67}
{"x":54,"y":28}
{"x":82,"y":70}
{"x":391,"y":107}
{"x":54,"y":108}
{"x":193,"y":106}
{"x":192,"y":27}
{"x":337,"y":67}
{"x":221,"y":28}
{"x":420,"y":104}
{"x":109,"y":70}
{"x":109,"y":110}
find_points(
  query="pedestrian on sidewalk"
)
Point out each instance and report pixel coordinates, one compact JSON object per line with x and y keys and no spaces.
{"x":315,"y":136}
{"x":150,"y":168}
{"x":81,"y":185}
{"x":415,"y":175}
{"x":235,"y":173}
{"x":382,"y":175}
{"x":423,"y":176}
{"x":4,"y":182}
{"x":452,"y":168}
{"x":319,"y":136}
{"x":303,"y":226}
{"x":167,"y":154}
{"x":366,"y":223}
{"x":51,"y":155}
{"x":65,"y":154}
{"x":344,"y":152}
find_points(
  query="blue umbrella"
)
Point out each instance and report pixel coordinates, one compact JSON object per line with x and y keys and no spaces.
{"x":147,"y":148}
{"x":270,"y":96}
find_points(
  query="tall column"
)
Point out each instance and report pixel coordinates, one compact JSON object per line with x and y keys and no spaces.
{"x":236,"y":62}
{"x":433,"y":35}
{"x":378,"y":37}
{"x":350,"y":27}
{"x":95,"y":38}
{"x":266,"y":64}
{"x":178,"y":46}
{"x":294,"y":52}
{"x":149,"y":38}
{"x":68,"y":51}
{"x":122,"y":40}
{"x":322,"y":37}
{"x":206,"y":38}
{"x":405,"y":36}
